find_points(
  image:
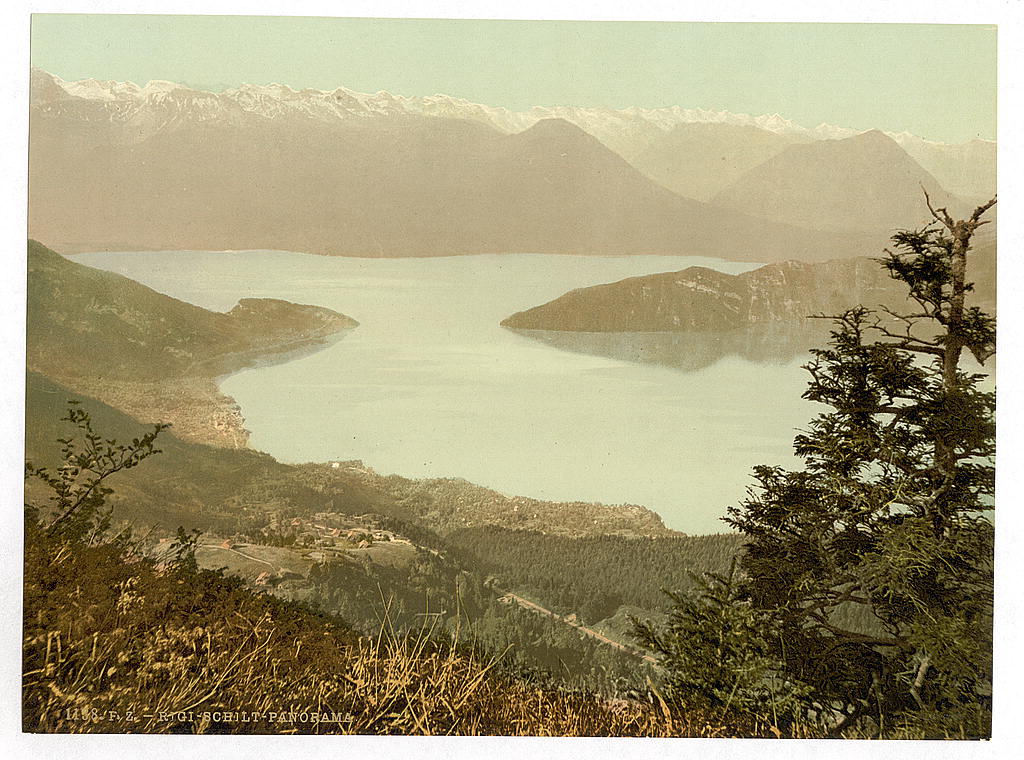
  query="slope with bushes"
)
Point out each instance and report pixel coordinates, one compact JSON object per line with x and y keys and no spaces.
{"x":116,"y":643}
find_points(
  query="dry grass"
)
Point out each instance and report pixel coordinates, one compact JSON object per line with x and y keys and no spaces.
{"x":117,"y":646}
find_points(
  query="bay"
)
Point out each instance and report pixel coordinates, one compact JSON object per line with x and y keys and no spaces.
{"x":430,"y":385}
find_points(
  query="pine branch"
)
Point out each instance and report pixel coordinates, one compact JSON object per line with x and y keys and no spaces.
{"x":860,"y":638}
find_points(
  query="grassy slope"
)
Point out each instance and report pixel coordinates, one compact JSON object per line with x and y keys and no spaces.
{"x":222,"y":490}
{"x":152,"y":355}
{"x":86,"y":322}
{"x":115,"y":644}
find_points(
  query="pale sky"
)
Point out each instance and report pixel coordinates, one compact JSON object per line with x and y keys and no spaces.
{"x":937,"y":81}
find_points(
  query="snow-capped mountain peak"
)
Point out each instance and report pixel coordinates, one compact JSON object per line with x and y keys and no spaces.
{"x":615,"y":127}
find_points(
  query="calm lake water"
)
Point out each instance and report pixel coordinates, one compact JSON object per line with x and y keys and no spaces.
{"x":431,"y":385}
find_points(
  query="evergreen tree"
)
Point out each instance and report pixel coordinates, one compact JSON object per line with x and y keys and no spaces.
{"x":716,"y":652}
{"x":868,"y":573}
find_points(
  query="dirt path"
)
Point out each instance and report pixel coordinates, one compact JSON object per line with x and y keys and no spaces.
{"x":527,"y":604}
{"x":241,"y":554}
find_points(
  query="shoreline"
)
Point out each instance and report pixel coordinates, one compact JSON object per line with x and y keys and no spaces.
{"x":192,"y":401}
{"x":71,"y":251}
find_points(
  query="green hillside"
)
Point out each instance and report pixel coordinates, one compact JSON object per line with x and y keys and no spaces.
{"x":118,"y":643}
{"x":281,"y":516}
{"x":85,"y":322}
{"x":151,"y":355}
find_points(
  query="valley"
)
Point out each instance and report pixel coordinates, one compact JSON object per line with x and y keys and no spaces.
{"x":430,"y":385}
{"x":336,"y":535}
{"x":556,"y":578}
{"x":375,"y":550}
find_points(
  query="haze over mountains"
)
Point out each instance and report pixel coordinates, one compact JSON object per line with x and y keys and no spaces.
{"x":115,"y":166}
{"x":702,"y":158}
{"x":840,"y":185}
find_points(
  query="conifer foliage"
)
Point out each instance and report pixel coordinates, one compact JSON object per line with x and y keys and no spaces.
{"x":866,"y":583}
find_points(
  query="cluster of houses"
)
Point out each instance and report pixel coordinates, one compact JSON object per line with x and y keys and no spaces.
{"x":327,"y":529}
{"x":268,"y":578}
{"x":321,"y":537}
{"x":330,"y":534}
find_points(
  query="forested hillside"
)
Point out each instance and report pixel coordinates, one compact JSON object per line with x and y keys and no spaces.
{"x":419,"y":567}
{"x":117,"y":643}
{"x":596,"y":575}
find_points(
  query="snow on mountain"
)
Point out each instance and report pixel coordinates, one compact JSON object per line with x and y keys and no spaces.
{"x":968,"y":168}
{"x":831,"y":132}
{"x":93,"y":89}
{"x":276,"y":99}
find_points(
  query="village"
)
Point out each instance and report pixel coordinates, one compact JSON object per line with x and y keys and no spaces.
{"x":284,"y":563}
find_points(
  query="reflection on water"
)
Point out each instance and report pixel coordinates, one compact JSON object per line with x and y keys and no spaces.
{"x":429,"y":384}
{"x":774,"y":343}
{"x":229,"y":364}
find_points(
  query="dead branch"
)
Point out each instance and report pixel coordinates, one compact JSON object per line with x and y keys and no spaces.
{"x":941,"y":215}
{"x":915,"y":689}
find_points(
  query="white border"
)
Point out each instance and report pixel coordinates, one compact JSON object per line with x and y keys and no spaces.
{"x":1009,"y":726}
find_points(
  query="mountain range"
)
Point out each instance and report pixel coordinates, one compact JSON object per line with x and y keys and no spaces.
{"x":699,"y":159}
{"x":627,"y":131}
{"x":115,"y":166}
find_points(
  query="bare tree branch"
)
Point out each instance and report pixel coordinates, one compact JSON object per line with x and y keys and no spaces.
{"x":943,"y":218}
{"x":915,"y":689}
{"x":981,"y":210}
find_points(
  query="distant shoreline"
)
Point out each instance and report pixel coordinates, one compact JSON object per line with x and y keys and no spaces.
{"x":72,"y":250}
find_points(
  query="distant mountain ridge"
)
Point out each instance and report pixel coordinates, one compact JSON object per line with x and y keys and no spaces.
{"x":700,"y":159}
{"x":966,"y":168}
{"x":859,"y":182}
{"x":277,"y":99}
{"x":196,"y":171}
{"x":115,"y":166}
{"x":698,"y":299}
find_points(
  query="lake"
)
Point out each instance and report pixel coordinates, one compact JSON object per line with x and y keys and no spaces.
{"x":429,"y":384}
